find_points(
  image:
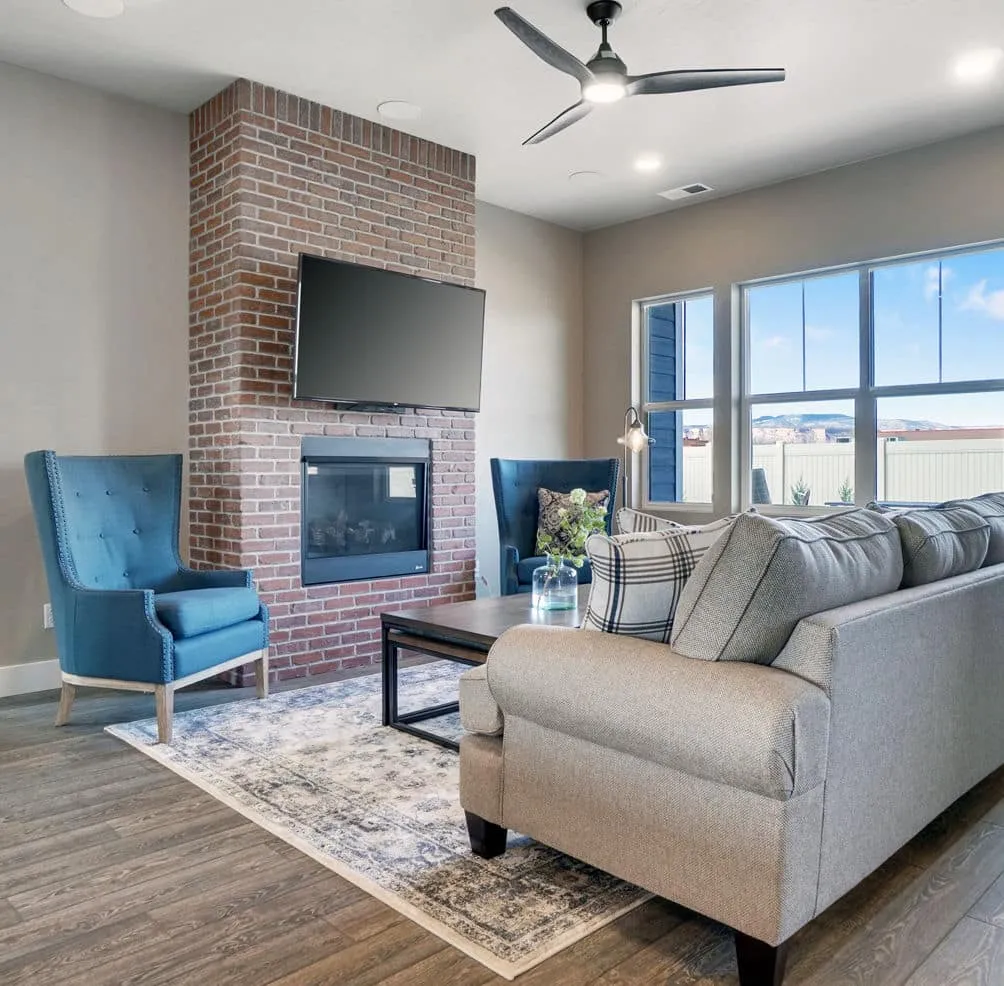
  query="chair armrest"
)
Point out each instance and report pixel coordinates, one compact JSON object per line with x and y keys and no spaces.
{"x":216,"y":578}
{"x":116,"y":634}
{"x":746,"y":725}
{"x":508,"y":560}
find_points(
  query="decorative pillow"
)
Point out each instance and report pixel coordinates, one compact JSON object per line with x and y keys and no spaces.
{"x":939,"y":542}
{"x":630,"y":521}
{"x":753,"y":585}
{"x":550,"y":505}
{"x":990,"y":506}
{"x":637,"y":578}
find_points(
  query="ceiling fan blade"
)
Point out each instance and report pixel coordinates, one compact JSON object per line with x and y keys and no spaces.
{"x":564,"y":119}
{"x":543,"y":47}
{"x":661,"y":82}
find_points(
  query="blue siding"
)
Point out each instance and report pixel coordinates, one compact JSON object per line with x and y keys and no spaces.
{"x":663,"y":426}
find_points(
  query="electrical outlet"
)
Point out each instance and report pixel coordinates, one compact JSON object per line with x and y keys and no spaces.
{"x":47,"y":622}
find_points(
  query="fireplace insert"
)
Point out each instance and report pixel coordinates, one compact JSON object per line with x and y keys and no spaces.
{"x":364,"y":508}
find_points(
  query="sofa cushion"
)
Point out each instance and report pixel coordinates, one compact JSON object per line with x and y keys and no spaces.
{"x":478,"y":711}
{"x":939,"y":542}
{"x":194,"y":611}
{"x":551,"y":508}
{"x":990,"y":506}
{"x":638,"y":578}
{"x":630,"y":521}
{"x":753,"y":585}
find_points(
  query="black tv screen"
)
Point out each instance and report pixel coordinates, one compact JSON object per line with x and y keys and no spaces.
{"x":371,"y":336}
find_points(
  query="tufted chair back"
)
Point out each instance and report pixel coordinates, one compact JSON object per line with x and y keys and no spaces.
{"x":515,"y":483}
{"x":106,"y":522}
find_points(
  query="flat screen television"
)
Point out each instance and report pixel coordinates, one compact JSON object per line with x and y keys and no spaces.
{"x":371,"y":336}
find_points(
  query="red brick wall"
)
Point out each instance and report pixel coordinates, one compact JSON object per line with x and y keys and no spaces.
{"x":273,"y":175}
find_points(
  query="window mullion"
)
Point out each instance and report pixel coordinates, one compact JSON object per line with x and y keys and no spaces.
{"x":865,"y":420}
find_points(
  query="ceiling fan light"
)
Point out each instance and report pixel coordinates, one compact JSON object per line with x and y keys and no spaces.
{"x":604,"y":90}
{"x":96,"y":8}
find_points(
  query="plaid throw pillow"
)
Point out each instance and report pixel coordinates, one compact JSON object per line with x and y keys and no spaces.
{"x":631,"y":521}
{"x":638,"y":578}
{"x":549,"y":518}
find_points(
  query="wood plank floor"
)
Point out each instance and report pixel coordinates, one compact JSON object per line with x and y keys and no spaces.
{"x":113,"y":870}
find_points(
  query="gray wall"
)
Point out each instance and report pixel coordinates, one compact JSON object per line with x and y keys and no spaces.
{"x":942,"y":195}
{"x":94,"y":302}
{"x":531,"y":400}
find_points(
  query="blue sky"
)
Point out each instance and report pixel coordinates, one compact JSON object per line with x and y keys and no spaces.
{"x":906,"y":312}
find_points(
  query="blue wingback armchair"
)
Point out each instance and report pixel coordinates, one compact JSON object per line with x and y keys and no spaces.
{"x":127,"y":613}
{"x":515,"y":483}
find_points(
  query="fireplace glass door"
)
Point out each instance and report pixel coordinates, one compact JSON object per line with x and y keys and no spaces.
{"x":364,"y":518}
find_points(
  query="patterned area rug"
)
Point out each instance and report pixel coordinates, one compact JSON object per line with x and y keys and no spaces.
{"x":315,"y":767}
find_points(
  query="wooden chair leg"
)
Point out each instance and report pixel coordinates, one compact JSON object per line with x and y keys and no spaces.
{"x":760,"y":964}
{"x":488,"y":840}
{"x":66,"y":697}
{"x":164,"y":695}
{"x":261,"y":675}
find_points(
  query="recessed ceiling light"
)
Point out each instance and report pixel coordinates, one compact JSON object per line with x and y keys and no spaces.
{"x":585,"y":176}
{"x":647,"y":162}
{"x":399,"y":109}
{"x":977,"y":66}
{"x":96,"y":8}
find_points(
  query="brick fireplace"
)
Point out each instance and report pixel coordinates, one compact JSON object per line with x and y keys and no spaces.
{"x":273,"y":175}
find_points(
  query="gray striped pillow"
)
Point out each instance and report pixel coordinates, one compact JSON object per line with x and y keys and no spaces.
{"x":637,"y":578}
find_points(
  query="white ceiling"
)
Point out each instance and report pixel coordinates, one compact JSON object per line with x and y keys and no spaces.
{"x":865,"y":77}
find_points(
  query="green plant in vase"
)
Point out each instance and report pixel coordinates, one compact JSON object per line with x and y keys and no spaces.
{"x":567,"y":540}
{"x":555,"y":585}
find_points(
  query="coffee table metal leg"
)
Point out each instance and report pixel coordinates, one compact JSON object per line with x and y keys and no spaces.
{"x":389,"y":679}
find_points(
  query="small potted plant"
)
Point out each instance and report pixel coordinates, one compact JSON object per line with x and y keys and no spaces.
{"x":555,"y":584}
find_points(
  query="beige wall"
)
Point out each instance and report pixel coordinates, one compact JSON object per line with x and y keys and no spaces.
{"x":93,"y":295}
{"x":941,"y":195}
{"x":531,"y":397}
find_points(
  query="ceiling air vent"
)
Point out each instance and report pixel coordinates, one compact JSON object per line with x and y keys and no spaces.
{"x":685,"y":191}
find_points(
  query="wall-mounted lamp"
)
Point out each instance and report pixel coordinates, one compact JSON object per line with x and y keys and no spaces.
{"x":634,"y":439}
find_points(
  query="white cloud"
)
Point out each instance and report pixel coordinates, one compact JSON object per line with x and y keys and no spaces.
{"x":818,"y":333}
{"x":774,"y":342}
{"x":934,"y":284}
{"x":978,"y":300}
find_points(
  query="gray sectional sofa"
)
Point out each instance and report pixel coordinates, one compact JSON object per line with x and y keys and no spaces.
{"x":756,"y":789}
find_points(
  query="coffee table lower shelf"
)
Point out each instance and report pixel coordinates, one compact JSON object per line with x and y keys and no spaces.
{"x":394,"y":641}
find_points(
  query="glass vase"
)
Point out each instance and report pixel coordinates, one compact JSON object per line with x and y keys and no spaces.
{"x":555,"y":585}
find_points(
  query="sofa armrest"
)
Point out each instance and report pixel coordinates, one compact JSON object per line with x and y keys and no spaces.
{"x":116,"y":635}
{"x":745,"y":725}
{"x":479,"y":712}
{"x":216,"y":578}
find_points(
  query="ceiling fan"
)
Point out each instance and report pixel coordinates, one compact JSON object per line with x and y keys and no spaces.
{"x":604,"y":78}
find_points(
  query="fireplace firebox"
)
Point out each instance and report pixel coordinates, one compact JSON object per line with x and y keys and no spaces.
{"x":364,"y":508}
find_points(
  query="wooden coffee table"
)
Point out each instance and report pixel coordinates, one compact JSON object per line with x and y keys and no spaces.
{"x":460,"y":632}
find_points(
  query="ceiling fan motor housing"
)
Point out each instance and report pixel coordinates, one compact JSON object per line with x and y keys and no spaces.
{"x":603,"y":12}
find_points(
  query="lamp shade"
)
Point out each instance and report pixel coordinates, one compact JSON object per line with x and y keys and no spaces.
{"x":635,"y":438}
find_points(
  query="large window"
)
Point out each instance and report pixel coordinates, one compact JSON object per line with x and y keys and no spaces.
{"x":678,"y":336}
{"x":880,"y":381}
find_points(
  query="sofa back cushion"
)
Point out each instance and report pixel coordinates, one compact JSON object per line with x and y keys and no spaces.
{"x":990,"y":506}
{"x":939,"y":542}
{"x":638,"y":578}
{"x":765,"y":574}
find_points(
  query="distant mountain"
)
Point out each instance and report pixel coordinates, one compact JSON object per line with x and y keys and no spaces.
{"x":841,"y":424}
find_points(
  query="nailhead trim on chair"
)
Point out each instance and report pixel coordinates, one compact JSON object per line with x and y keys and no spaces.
{"x":69,"y":569}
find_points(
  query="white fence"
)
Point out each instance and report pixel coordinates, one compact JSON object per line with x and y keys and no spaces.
{"x":910,"y":471}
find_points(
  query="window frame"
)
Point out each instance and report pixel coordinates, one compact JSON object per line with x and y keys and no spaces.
{"x":640,"y":493}
{"x":865,"y":396}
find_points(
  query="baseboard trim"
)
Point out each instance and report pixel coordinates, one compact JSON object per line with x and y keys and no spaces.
{"x":36,"y":676}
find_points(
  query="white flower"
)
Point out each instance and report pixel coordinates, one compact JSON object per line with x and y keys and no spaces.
{"x":578,"y":497}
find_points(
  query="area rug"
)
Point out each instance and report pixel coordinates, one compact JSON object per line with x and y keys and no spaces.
{"x":315,"y":767}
